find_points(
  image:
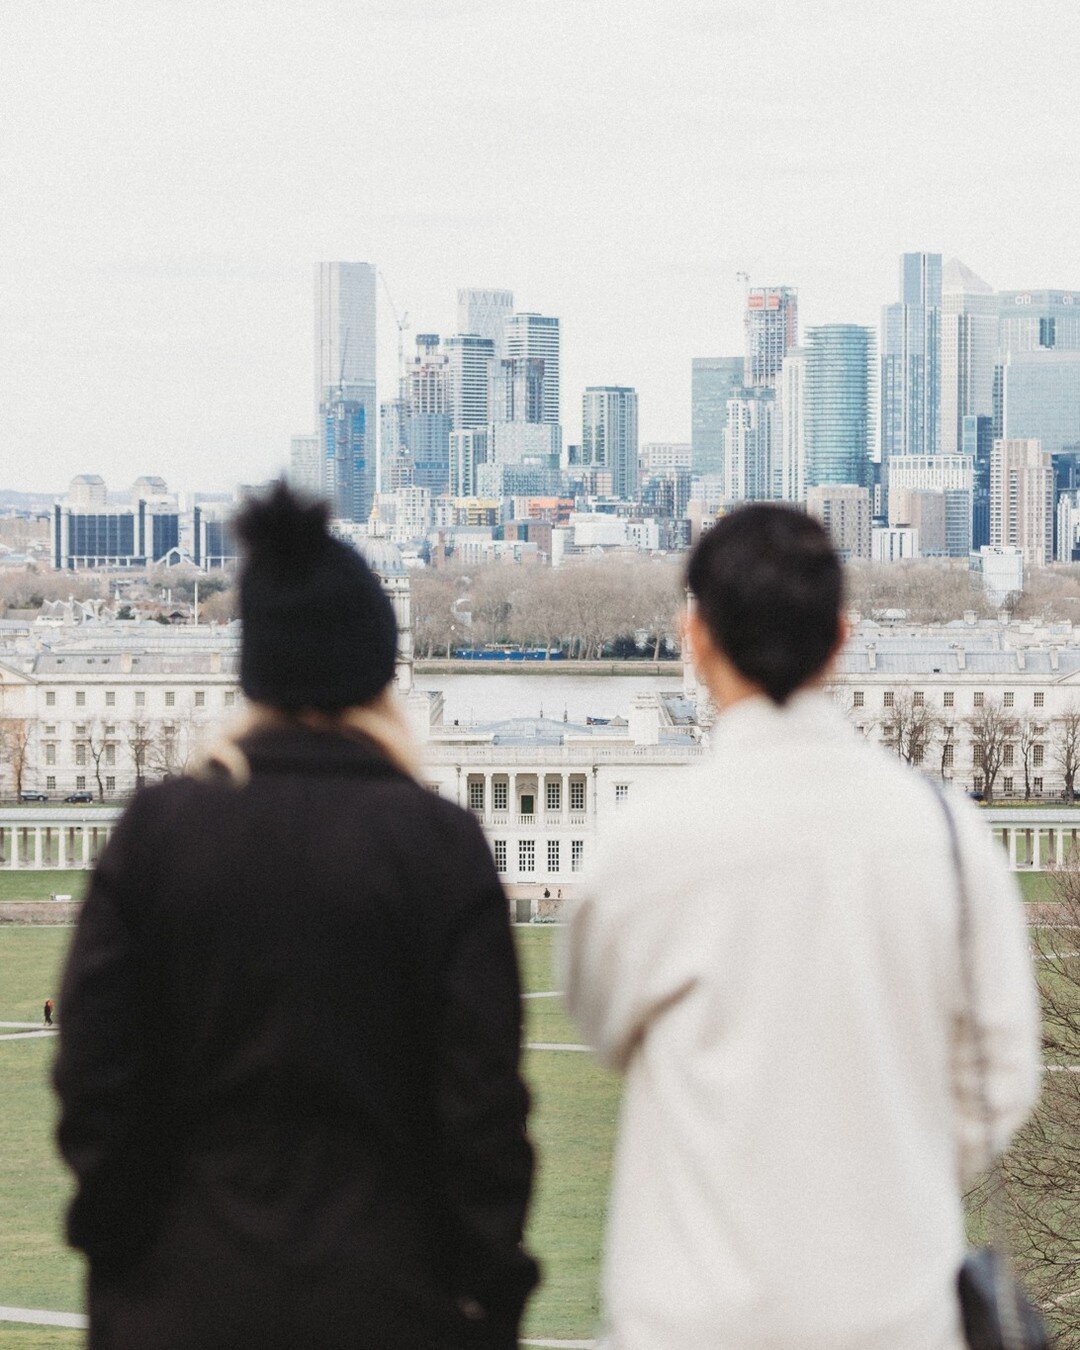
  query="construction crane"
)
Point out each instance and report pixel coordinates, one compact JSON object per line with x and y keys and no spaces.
{"x":402,"y":321}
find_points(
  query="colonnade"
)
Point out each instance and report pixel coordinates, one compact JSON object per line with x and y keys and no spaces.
{"x":534,"y":782}
{"x":27,"y":845}
{"x":1038,"y":846}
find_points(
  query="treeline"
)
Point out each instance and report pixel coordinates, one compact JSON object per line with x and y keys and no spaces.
{"x":587,"y":610}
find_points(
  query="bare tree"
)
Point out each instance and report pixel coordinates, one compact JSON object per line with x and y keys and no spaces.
{"x":1028,"y":735}
{"x":1041,"y":1172}
{"x":1065,"y":746}
{"x":991,"y":729}
{"x":15,"y":735}
{"x":948,"y":745}
{"x":96,"y":743}
{"x":910,"y":726}
{"x":139,"y":738}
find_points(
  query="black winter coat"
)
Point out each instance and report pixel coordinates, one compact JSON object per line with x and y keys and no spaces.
{"x":288,"y":1066}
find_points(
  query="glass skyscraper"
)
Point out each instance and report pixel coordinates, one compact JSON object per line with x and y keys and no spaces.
{"x":910,"y":361}
{"x":713,"y":380}
{"x":345,"y":382}
{"x":838,"y":403}
{"x":1041,"y":398}
{"x":771,"y":327}
{"x":609,"y":436}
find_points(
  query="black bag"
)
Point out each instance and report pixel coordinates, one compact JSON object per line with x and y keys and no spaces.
{"x":996,"y":1313}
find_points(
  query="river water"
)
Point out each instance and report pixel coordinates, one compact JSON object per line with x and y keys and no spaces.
{"x":494,"y":698}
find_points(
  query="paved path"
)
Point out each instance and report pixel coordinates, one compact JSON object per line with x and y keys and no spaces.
{"x":24,"y":1035}
{"x":29,"y":1026}
{"x":39,"y":1317}
{"x":547,"y":993}
{"x":564,"y":1345}
{"x":554,"y":1045}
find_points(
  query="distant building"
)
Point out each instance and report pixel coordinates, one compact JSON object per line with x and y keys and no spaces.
{"x":1031,"y":321}
{"x":347,"y":451}
{"x":483,"y":313}
{"x":215,"y":545}
{"x":793,"y":426}
{"x":1041,"y":397}
{"x":657,"y":455}
{"x":949,"y":476}
{"x":609,"y":438}
{"x":976,"y":443}
{"x":969,"y":336}
{"x":924,"y":514}
{"x":345,"y":339}
{"x":910,"y":361}
{"x":1022,"y":500}
{"x":771,"y":330}
{"x":1067,"y":547}
{"x":893,"y":544}
{"x":751,"y":458}
{"x":89,"y":533}
{"x":470,"y":365}
{"x":713,"y":381}
{"x":838,"y":404}
{"x":426,"y":420}
{"x":844,"y":510}
{"x":537,"y":335}
{"x":1001,"y":570}
{"x":305,"y":465}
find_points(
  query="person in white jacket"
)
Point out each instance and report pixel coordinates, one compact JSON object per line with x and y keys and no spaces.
{"x":769,"y":949}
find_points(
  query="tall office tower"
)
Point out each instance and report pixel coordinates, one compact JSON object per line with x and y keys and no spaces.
{"x":609,"y":436}
{"x":910,"y":361}
{"x":751,"y":458}
{"x":305,"y":466}
{"x":839,"y":398}
{"x":713,"y":380}
{"x":771,"y":328}
{"x":470,"y":361}
{"x":88,"y":533}
{"x":977,"y":442}
{"x":345,"y":381}
{"x":844,"y":510}
{"x":793,"y":426}
{"x":969,"y":335}
{"x":483,"y":314}
{"x":518,"y":390}
{"x":427,"y":423}
{"x":1041,"y":397}
{"x":949,"y":478}
{"x":537,"y":335}
{"x":1022,"y":499}
{"x":1031,"y":321}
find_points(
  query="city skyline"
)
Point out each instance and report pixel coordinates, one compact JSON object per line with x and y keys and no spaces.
{"x":168,"y":194}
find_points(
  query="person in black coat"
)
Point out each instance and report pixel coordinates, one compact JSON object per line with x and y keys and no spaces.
{"x":250,"y":1174}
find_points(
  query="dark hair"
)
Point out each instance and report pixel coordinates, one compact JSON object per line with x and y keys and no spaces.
{"x":769,"y":586}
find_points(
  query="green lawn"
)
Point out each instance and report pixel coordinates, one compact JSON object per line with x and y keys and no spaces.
{"x":29,"y":885}
{"x":573,"y":1123}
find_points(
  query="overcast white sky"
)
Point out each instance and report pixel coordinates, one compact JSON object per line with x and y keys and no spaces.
{"x":170,"y":172}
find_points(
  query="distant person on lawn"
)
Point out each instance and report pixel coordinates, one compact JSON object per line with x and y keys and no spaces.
{"x":269,"y":1181}
{"x":48,"y":1012}
{"x":769,"y":948}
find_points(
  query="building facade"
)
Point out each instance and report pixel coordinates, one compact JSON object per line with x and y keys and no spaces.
{"x":910,"y":360}
{"x":713,"y":381}
{"x":609,"y":435}
{"x":969,"y":338}
{"x":1022,"y":500}
{"x":771,"y":330}
{"x":346,"y":410}
{"x":844,"y":510}
{"x":838,"y":404}
{"x":537,"y":336}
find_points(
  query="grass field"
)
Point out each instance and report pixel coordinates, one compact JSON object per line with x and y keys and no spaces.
{"x":30,"y":885}
{"x":573,"y":1124}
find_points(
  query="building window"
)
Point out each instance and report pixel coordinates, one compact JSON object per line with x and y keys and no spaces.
{"x":230,"y":697}
{"x":50,"y":730}
{"x":1038,"y":753}
{"x":110,"y":730}
{"x":1037,"y":785}
{"x":858,"y":699}
{"x":110,"y":698}
{"x":110,"y":755}
{"x":1007,"y":756}
{"x":80,"y":730}
{"x":1008,"y":698}
{"x":577,"y":796}
{"x":577,"y":854}
{"x":1006,"y":785}
{"x":553,"y":855}
{"x":170,"y":699}
{"x":200,"y":698}
{"x":433,"y":788}
{"x":977,"y":783}
{"x":947,"y":699}
{"x":553,"y":795}
{"x":500,"y":796}
{"x":50,"y":698}
{"x":918,"y":699}
{"x":476,"y":796}
{"x":977,"y":756}
{"x":500,"y":855}
{"x":50,"y":754}
{"x":528,"y":804}
{"x":526,"y":855}
{"x":140,"y":698}
{"x":888,"y":699}
{"x":1040,"y":699}
{"x":110,"y":784}
{"x":917,"y":755}
{"x":80,"y":698}
{"x":80,"y":754}
{"x":50,"y":783}
{"x":947,"y":757}
{"x":977,"y":699}
{"x":622,"y":792}
{"x":80,"y":783}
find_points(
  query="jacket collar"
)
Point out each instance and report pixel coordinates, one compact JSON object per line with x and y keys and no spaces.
{"x":808,"y":715}
{"x":301,"y":750}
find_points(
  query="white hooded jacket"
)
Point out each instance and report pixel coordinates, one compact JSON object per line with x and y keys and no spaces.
{"x":770,"y":951}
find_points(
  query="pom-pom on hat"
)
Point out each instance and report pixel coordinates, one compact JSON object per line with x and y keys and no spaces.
{"x":318,"y":628}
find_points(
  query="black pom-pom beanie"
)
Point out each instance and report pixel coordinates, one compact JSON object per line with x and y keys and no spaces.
{"x":318,"y":628}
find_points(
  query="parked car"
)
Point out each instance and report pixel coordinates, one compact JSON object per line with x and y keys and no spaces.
{"x":81,"y":796}
{"x":33,"y":796}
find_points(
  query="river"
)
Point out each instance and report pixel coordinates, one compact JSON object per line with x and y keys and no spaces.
{"x":494,"y":698}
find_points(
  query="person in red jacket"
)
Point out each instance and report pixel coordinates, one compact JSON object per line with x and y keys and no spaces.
{"x":48,"y":1012}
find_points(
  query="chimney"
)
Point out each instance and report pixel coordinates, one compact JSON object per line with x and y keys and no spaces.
{"x":871,"y":655}
{"x":1021,"y":659}
{"x":1053,"y":658}
{"x":125,"y":663}
{"x":961,"y":659}
{"x":215,"y":663}
{"x":969,"y":617}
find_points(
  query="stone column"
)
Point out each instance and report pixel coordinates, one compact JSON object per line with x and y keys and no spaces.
{"x":1036,"y":850}
{"x":15,"y":861}
{"x":564,"y":796}
{"x":85,"y":845}
{"x":1059,"y":847}
{"x":61,"y":854}
{"x":1010,"y":834}
{"x":37,"y":847}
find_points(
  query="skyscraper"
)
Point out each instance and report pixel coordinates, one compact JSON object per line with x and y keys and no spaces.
{"x":839,"y":398}
{"x":470,"y":361}
{"x":713,"y":380}
{"x":844,"y":510}
{"x":345,"y":383}
{"x":969,"y":333}
{"x":1041,"y":397}
{"x":305,"y":466}
{"x":771,"y":328}
{"x":792,"y":453}
{"x":751,"y":447}
{"x":1022,"y":500}
{"x":609,"y":435}
{"x":537,"y":335}
{"x":427,"y":423}
{"x":910,"y":361}
{"x":1030,"y":321}
{"x":484,"y":313}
